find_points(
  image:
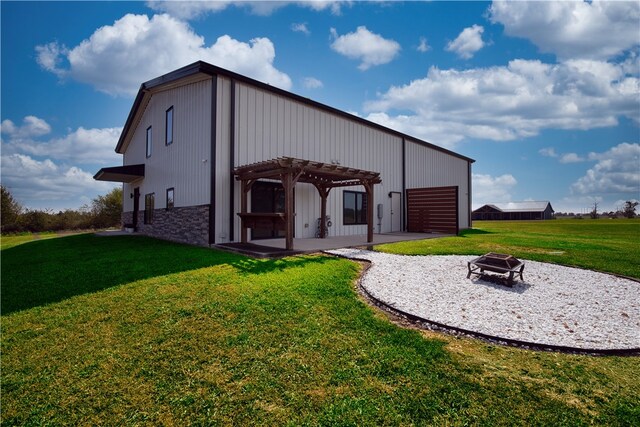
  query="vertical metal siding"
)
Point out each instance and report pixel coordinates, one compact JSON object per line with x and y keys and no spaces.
{"x":223,"y":170}
{"x":185,"y":164}
{"x":269,"y":126}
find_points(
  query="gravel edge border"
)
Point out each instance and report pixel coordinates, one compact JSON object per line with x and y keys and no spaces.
{"x":426,"y":324}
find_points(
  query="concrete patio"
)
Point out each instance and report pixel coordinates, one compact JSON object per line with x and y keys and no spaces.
{"x":276,"y":247}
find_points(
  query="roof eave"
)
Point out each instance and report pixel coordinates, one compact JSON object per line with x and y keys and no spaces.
{"x":127,"y":174}
{"x":132,"y":114}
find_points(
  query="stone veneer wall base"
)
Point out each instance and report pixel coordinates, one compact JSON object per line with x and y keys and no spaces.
{"x":179,"y":224}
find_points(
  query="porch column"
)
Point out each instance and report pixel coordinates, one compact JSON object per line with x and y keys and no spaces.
{"x":324,"y":193}
{"x":243,"y":209}
{"x":287,"y":183}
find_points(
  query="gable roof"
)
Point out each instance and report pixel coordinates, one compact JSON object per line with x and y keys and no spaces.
{"x":201,"y":70}
{"x":529,"y":206}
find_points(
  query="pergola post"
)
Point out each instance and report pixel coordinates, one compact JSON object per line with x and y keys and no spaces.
{"x":243,"y":209}
{"x":287,"y":183}
{"x":324,"y":193}
{"x":245,"y":187}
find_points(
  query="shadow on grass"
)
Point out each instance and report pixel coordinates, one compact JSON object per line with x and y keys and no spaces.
{"x":46,"y":271}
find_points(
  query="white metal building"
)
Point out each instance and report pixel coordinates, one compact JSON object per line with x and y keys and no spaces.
{"x":189,"y":130}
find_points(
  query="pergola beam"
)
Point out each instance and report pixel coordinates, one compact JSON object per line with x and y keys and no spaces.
{"x":311,"y":171}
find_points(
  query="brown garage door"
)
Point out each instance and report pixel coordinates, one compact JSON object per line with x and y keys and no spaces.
{"x":432,"y":209}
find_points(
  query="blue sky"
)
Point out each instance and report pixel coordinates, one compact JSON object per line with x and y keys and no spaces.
{"x":544,"y":95}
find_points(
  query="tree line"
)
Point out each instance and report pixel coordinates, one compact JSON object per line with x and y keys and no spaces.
{"x":103,"y":212}
{"x":626,"y":211}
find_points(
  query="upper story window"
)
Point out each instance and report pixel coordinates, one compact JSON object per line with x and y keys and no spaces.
{"x":354,"y":207}
{"x":149,"y":141}
{"x":169,"y":198}
{"x":168,"y":137}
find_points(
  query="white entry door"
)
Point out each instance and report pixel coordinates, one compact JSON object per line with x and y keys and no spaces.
{"x":396,"y":212}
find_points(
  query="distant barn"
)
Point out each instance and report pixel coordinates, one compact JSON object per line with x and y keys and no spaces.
{"x":514,"y":211}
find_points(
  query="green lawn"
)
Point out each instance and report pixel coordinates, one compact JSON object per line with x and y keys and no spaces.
{"x":604,"y":244}
{"x":7,"y":242}
{"x":135,"y":331}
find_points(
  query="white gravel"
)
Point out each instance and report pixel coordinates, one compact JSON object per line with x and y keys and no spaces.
{"x":554,"y":305}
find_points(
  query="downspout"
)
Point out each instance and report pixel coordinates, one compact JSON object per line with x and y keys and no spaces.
{"x":470,"y":217}
{"x":404,"y":184}
{"x":212,"y":183}
{"x":232,"y":160}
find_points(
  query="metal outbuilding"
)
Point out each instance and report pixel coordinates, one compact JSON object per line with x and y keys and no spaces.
{"x":530,"y":210}
{"x":191,"y":132}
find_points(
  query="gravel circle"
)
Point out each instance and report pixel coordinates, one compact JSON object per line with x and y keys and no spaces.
{"x":554,"y":305}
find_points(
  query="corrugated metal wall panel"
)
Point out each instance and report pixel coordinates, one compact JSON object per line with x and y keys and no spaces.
{"x":270,"y":126}
{"x":224,"y":181}
{"x":183,"y":165}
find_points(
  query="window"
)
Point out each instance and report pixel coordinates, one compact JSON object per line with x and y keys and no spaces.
{"x":168,"y":137}
{"x":169,"y":198}
{"x":149,"y":141}
{"x":354,"y":208}
{"x":148,"y":208}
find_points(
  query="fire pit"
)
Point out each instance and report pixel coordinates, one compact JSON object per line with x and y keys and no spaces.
{"x":497,"y":263}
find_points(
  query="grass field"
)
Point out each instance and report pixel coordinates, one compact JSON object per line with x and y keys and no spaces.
{"x":7,"y":242}
{"x":135,"y":331}
{"x":606,"y":245}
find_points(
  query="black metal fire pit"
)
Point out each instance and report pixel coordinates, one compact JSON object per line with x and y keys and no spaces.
{"x":497,"y":263}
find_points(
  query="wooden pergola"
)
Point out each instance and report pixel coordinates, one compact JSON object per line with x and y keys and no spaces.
{"x":289,"y":171}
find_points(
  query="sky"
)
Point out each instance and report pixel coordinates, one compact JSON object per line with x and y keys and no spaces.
{"x":545,"y":96}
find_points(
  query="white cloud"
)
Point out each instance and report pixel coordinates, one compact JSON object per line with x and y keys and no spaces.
{"x":572,"y":29}
{"x":44,"y":172}
{"x":40,"y":184}
{"x":32,"y":127}
{"x":94,"y":146}
{"x":616,"y":171}
{"x":489,"y":189}
{"x":562,"y":158}
{"x":548,"y":152}
{"x":372,"y":49}
{"x":571,"y":158}
{"x":300,"y":28}
{"x":195,"y":9}
{"x":423,"y":46}
{"x":312,"y":83}
{"x":49,"y":57}
{"x":468,"y":42}
{"x":117,"y":58}
{"x":319,"y":5}
{"x":189,"y":9}
{"x":442,"y":133}
{"x":510,"y":102}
